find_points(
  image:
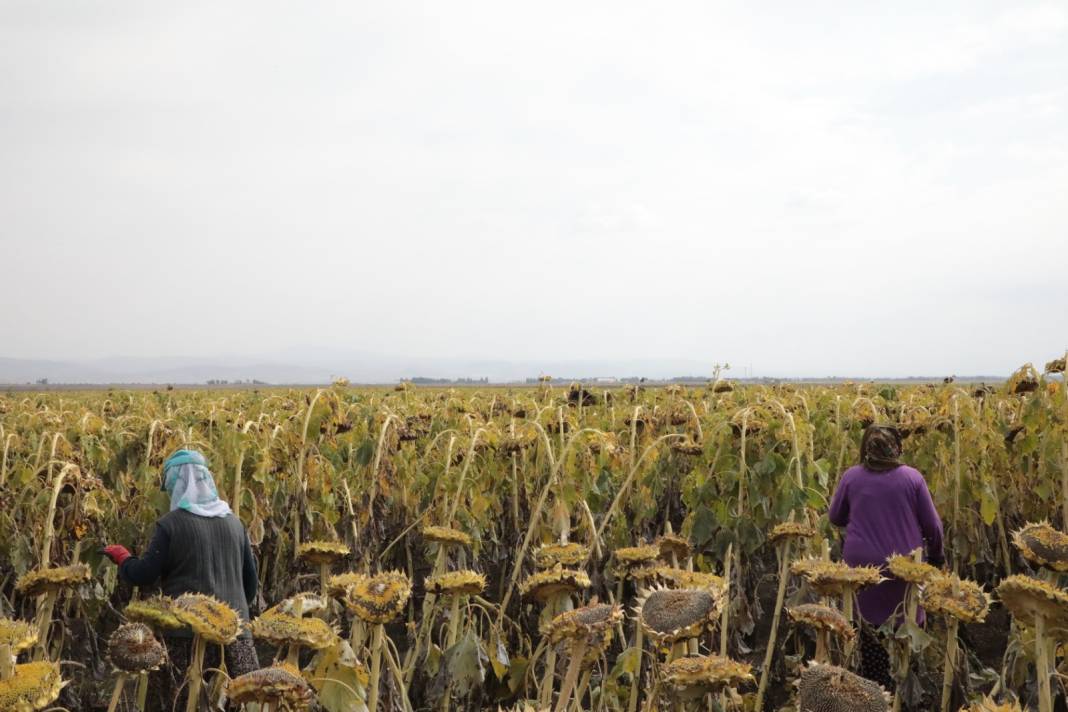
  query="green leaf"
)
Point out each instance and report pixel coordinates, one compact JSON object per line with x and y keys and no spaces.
{"x":704,"y":526}
{"x":339,"y":679}
{"x":988,"y":506}
{"x":465,"y":664}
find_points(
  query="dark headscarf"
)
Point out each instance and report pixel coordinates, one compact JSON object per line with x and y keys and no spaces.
{"x":880,"y":448}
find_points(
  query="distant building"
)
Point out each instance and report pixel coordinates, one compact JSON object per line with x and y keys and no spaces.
{"x":605,"y":380}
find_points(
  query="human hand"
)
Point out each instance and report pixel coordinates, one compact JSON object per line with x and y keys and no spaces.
{"x":117,"y":553}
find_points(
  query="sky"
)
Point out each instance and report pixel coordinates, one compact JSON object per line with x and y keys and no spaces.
{"x":817,"y":188}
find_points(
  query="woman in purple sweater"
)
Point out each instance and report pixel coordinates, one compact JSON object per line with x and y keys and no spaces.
{"x":886,"y":509}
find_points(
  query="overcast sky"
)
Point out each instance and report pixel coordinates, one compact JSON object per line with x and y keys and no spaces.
{"x":809,"y":188}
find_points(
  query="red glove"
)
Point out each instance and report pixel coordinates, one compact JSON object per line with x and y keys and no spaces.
{"x":117,"y":553}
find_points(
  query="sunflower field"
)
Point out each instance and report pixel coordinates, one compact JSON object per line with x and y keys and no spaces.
{"x":549,"y":547}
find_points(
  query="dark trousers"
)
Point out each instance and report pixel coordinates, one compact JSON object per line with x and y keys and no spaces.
{"x":167,"y":686}
{"x":874,"y":659}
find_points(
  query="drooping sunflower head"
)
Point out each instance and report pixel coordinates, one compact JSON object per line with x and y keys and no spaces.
{"x":446,"y":535}
{"x":790,"y":531}
{"x":828,"y":688}
{"x":681,"y":578}
{"x":955,"y":597}
{"x":280,"y":685}
{"x":339,"y":584}
{"x":829,"y":578}
{"x":988,"y":705}
{"x":673,"y":544}
{"x":559,"y":581}
{"x":299,"y":605}
{"x":571,"y":554}
{"x":455,"y":583}
{"x":17,"y":635}
{"x":629,"y":557}
{"x":38,"y":581}
{"x":687,"y":446}
{"x":210,"y":618}
{"x":696,"y":676}
{"x":322,"y":552}
{"x":584,"y":622}
{"x":33,"y":687}
{"x":821,"y":618}
{"x":134,"y":649}
{"x":1028,"y":597}
{"x":1043,"y":545}
{"x":280,"y":629}
{"x":157,"y":612}
{"x":908,"y":569}
{"x":670,"y":615}
{"x":379,"y":598}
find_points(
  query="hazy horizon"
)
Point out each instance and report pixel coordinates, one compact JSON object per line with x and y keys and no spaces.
{"x":800,"y":189}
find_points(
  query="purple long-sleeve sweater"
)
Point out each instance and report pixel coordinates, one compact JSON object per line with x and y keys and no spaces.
{"x":885,"y":513}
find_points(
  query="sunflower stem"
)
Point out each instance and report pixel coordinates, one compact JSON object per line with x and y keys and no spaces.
{"x":196,"y":677}
{"x":116,"y":693}
{"x":1042,"y":667}
{"x":376,"y":668}
{"x":950,"y":663}
{"x":7,"y":663}
{"x":780,"y":596}
{"x":578,"y":652}
{"x":45,"y":606}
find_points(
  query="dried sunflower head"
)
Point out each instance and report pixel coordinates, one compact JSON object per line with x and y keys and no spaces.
{"x":830,"y":578}
{"x":673,"y":544}
{"x":455,"y":583}
{"x":955,"y":597}
{"x":379,"y":598}
{"x":38,"y":581}
{"x":1056,"y":365}
{"x":157,"y":612}
{"x":908,"y":569}
{"x":681,"y":578}
{"x":305,"y":603}
{"x":822,"y":618}
{"x":699,"y":675}
{"x":445,"y":535}
{"x":788,"y":531}
{"x":1027,"y":597}
{"x":549,"y":555}
{"x":17,"y":635}
{"x":210,"y":618}
{"x":671,"y":615}
{"x":280,"y":685}
{"x":828,"y":688}
{"x":583,"y":622}
{"x":1043,"y":545}
{"x":988,"y":705}
{"x":33,"y":687}
{"x":339,"y":584}
{"x":322,"y":552}
{"x":280,"y":629}
{"x":559,"y":581}
{"x":134,"y":649}
{"x":630,"y":556}
{"x":687,"y":446}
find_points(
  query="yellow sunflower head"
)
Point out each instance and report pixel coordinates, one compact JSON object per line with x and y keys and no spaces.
{"x":955,"y":597}
{"x":697,"y":676}
{"x":1028,"y":597}
{"x":988,"y":705}
{"x":339,"y":584}
{"x":830,"y":578}
{"x":379,"y":598}
{"x":134,"y":649}
{"x":584,"y":622}
{"x":628,"y":557}
{"x":281,"y":629}
{"x":299,"y":605}
{"x":33,"y":687}
{"x":455,"y":583}
{"x":549,"y":555}
{"x":17,"y":635}
{"x":545,"y":585}
{"x":157,"y":612}
{"x":38,"y":581}
{"x":322,"y":552}
{"x":446,"y":535}
{"x":210,"y":618}
{"x":681,"y":578}
{"x":789,"y":531}
{"x":822,"y":618}
{"x":908,"y":569}
{"x":1043,"y":545}
{"x":280,"y":685}
{"x":670,"y":615}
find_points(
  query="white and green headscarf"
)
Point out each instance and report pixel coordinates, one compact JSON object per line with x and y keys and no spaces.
{"x":189,"y":482}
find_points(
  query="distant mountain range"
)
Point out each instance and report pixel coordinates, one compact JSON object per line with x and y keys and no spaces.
{"x":296,"y":368}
